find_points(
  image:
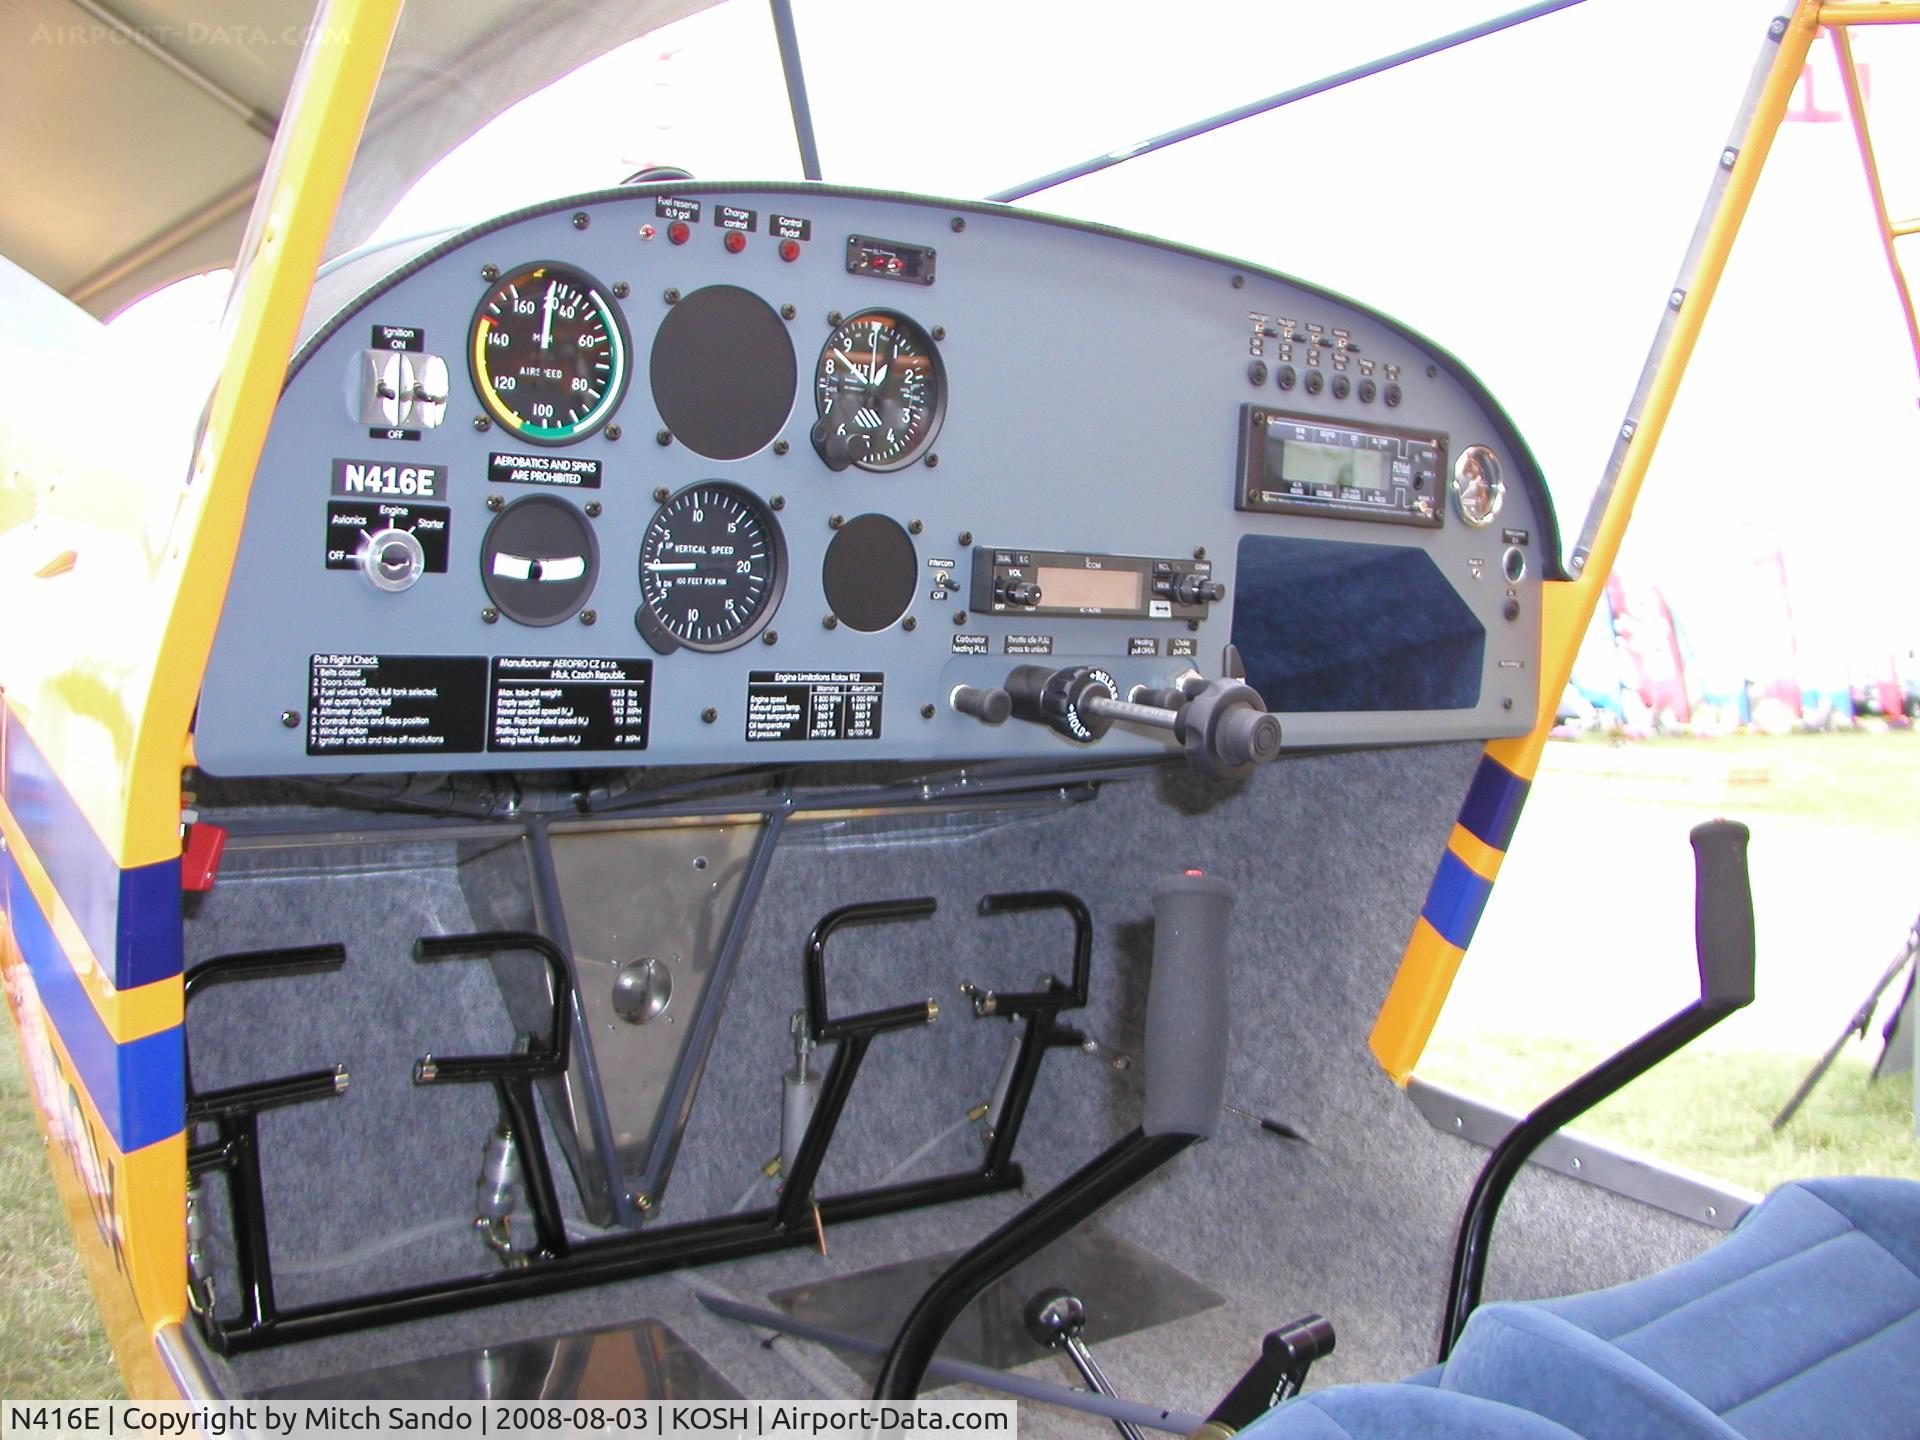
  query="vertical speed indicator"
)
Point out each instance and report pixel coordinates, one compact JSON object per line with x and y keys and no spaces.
{"x":549,"y":353}
{"x":713,"y":565}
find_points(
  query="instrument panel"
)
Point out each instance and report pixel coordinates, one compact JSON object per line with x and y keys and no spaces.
{"x":799,"y":473}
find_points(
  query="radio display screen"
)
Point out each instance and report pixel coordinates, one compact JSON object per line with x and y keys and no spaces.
{"x":1082,"y":589}
{"x":1303,"y":463}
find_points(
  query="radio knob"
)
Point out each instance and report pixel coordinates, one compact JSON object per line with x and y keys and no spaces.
{"x":1023,"y":592}
{"x":1198,"y":590}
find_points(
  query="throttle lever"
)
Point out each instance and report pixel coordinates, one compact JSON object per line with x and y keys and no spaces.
{"x":1223,"y":724}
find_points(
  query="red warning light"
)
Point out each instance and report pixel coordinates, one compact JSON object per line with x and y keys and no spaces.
{"x":678,"y":232}
{"x":735,"y":242}
{"x":789,"y":250}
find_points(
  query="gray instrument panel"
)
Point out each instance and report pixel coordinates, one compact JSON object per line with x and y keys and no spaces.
{"x":1100,"y":392}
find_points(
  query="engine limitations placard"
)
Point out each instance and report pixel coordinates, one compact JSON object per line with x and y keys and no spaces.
{"x":814,"y":704}
{"x":396,"y":704}
{"x":543,"y":703}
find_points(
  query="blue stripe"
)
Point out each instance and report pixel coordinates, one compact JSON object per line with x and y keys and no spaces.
{"x":1456,"y":899}
{"x":131,"y":918}
{"x":1491,"y":810}
{"x":139,"y":1088}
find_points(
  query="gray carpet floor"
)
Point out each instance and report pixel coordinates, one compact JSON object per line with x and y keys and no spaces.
{"x":1331,"y":857}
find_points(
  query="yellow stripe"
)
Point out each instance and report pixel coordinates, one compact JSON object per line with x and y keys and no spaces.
{"x":1475,"y":853}
{"x":127,"y":1014}
{"x":286,"y":237}
{"x":1869,"y":12}
{"x":1412,"y":1006}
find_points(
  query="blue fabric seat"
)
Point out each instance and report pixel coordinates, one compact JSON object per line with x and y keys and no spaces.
{"x":1805,"y":1322}
{"x":1399,"y":1412}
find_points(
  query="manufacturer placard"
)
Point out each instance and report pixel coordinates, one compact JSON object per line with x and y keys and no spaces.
{"x":814,"y":704}
{"x":360,"y":704}
{"x":543,"y":703}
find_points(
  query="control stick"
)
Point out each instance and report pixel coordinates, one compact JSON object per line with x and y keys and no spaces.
{"x":1054,"y":1320}
{"x":1223,"y":724}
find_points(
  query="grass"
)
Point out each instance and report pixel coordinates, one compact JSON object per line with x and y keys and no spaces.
{"x":1709,"y":1111}
{"x":51,"y":1343}
{"x":1864,"y":780}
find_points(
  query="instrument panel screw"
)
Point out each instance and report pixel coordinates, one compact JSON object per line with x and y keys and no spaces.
{"x":834,"y":317}
{"x":621,"y":289}
{"x":494,"y":502}
{"x":489,"y":273}
{"x":581,"y":219}
{"x":1778,"y":27}
{"x":966,"y":537}
{"x":1199,"y":552}
{"x":1507,"y":704}
{"x":926,"y":712}
{"x":914,"y":527}
{"x":778,"y":502}
{"x":660,"y":494}
{"x":933,"y":461}
{"x":587,"y":617}
{"x":787,"y":312}
{"x":939,"y":332}
{"x":480,"y":422}
{"x":909,"y":623}
{"x":672,"y":296}
{"x":593,"y":509}
{"x":834,"y":522}
{"x":1193,"y":624}
{"x":769,"y":637}
{"x":1432,"y":370}
{"x":709,"y":715}
{"x":1239,"y":282}
{"x":490,"y":615}
{"x":780,"y":447}
{"x":829,"y":622}
{"x":614,"y":432}
{"x":957,"y":224}
{"x":290,"y":719}
{"x":663,"y":438}
{"x":959,"y":617}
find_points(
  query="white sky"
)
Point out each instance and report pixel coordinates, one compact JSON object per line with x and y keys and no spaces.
{"x":1525,"y":201}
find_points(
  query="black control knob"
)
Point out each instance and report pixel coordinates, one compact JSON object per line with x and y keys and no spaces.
{"x":989,"y":704}
{"x":1067,"y":701}
{"x":1197,"y":590}
{"x":1020,"y":592}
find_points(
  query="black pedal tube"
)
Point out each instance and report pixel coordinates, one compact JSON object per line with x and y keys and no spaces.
{"x":1068,"y":1204}
{"x":1723,"y":937}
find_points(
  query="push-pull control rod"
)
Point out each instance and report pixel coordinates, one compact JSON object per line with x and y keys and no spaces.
{"x":1223,"y":724}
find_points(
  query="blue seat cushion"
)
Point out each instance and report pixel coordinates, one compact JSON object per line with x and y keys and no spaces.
{"x":1805,"y":1321}
{"x":1399,"y":1412}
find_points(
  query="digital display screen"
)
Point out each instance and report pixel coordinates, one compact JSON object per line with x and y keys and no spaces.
{"x":1088,"y":589}
{"x":1302,"y":463}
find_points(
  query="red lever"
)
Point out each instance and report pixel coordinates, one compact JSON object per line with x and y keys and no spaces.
{"x":200,"y":856}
